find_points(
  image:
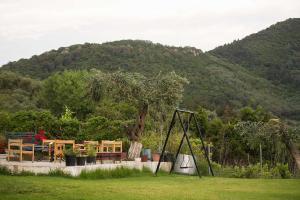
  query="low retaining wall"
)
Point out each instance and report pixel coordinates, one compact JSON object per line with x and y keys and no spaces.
{"x":46,"y":167}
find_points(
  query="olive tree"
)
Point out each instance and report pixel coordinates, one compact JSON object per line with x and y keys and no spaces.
{"x":158,"y":93}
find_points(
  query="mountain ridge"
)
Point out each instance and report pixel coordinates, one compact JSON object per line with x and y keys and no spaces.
{"x":215,"y":81}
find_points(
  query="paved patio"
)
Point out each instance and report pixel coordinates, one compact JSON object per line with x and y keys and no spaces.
{"x":46,"y":166}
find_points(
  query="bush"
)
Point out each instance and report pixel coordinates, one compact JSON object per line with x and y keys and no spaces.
{"x":254,"y":171}
{"x":281,"y":171}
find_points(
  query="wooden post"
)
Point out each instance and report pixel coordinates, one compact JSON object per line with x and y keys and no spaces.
{"x":8,"y":151}
{"x":21,"y":151}
{"x":208,"y":149}
{"x":32,"y":153}
{"x":260,"y":157}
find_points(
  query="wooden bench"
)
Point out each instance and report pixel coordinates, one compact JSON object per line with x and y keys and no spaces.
{"x":110,"y":150}
{"x":57,"y":147}
{"x":16,"y":148}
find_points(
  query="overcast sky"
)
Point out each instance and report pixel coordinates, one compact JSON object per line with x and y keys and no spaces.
{"x":29,"y":27}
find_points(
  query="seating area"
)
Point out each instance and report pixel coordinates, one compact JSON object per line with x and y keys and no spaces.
{"x":21,"y":144}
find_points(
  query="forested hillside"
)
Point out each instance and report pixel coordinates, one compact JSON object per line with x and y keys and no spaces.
{"x":215,"y":83}
{"x":273,"y":53}
{"x":17,"y":92}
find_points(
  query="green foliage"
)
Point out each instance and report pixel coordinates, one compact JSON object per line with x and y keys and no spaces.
{"x":151,"y":140}
{"x":254,"y":115}
{"x":58,"y":173}
{"x":17,"y":92}
{"x":69,"y":152}
{"x":281,"y":171}
{"x":214,"y":82}
{"x":98,"y":128}
{"x":31,"y":121}
{"x":91,"y":150}
{"x":120,"y":172}
{"x":68,"y":88}
{"x":4,"y":171}
{"x":251,"y":171}
{"x":274,"y":55}
{"x":69,"y":129}
{"x":4,"y":121}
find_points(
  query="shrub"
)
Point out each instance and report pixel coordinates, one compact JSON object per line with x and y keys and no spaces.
{"x":254,"y":171}
{"x":281,"y":171}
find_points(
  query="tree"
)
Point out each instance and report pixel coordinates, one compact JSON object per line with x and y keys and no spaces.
{"x":163,"y":90}
{"x":70,"y":89}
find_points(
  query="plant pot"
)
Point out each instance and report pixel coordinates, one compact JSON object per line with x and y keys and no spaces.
{"x":91,"y":160}
{"x":80,"y":161}
{"x":155,"y":157}
{"x":144,"y":158}
{"x":147,"y":152}
{"x":70,"y":160}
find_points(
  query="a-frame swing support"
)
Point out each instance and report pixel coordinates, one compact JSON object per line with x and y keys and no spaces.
{"x":185,"y":128}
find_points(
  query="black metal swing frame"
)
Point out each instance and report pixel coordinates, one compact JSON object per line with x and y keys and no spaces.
{"x":191,"y":116}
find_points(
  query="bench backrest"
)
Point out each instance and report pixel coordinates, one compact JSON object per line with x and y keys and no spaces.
{"x":27,"y":137}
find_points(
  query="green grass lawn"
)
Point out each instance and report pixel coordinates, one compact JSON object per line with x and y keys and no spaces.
{"x":147,"y":187}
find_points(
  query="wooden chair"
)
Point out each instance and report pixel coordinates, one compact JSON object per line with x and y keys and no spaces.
{"x":28,"y":152}
{"x":15,"y":146}
{"x":50,"y":144}
{"x":59,"y":147}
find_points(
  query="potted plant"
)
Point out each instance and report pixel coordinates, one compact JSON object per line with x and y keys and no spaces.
{"x":80,"y":159}
{"x":70,"y":157}
{"x":91,"y":154}
{"x":155,"y":157}
{"x":147,"y":152}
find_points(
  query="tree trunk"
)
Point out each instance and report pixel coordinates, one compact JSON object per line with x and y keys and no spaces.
{"x":134,"y":150}
{"x":134,"y":133}
{"x":294,"y":151}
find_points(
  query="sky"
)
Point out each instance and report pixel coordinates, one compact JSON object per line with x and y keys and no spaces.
{"x":30,"y":27}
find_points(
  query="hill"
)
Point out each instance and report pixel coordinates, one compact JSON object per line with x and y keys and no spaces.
{"x":214,"y":82}
{"x":17,"y":92}
{"x":273,"y":53}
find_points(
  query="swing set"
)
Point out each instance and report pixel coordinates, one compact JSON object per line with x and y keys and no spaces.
{"x":185,"y":127}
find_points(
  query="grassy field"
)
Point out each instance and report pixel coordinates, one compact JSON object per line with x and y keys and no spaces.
{"x":147,"y":187}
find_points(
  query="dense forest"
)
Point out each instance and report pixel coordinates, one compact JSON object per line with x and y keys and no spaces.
{"x":128,"y":89}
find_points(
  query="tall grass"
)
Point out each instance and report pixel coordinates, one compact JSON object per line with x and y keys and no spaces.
{"x":59,"y":173}
{"x":120,"y":172}
{"x":4,"y":171}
